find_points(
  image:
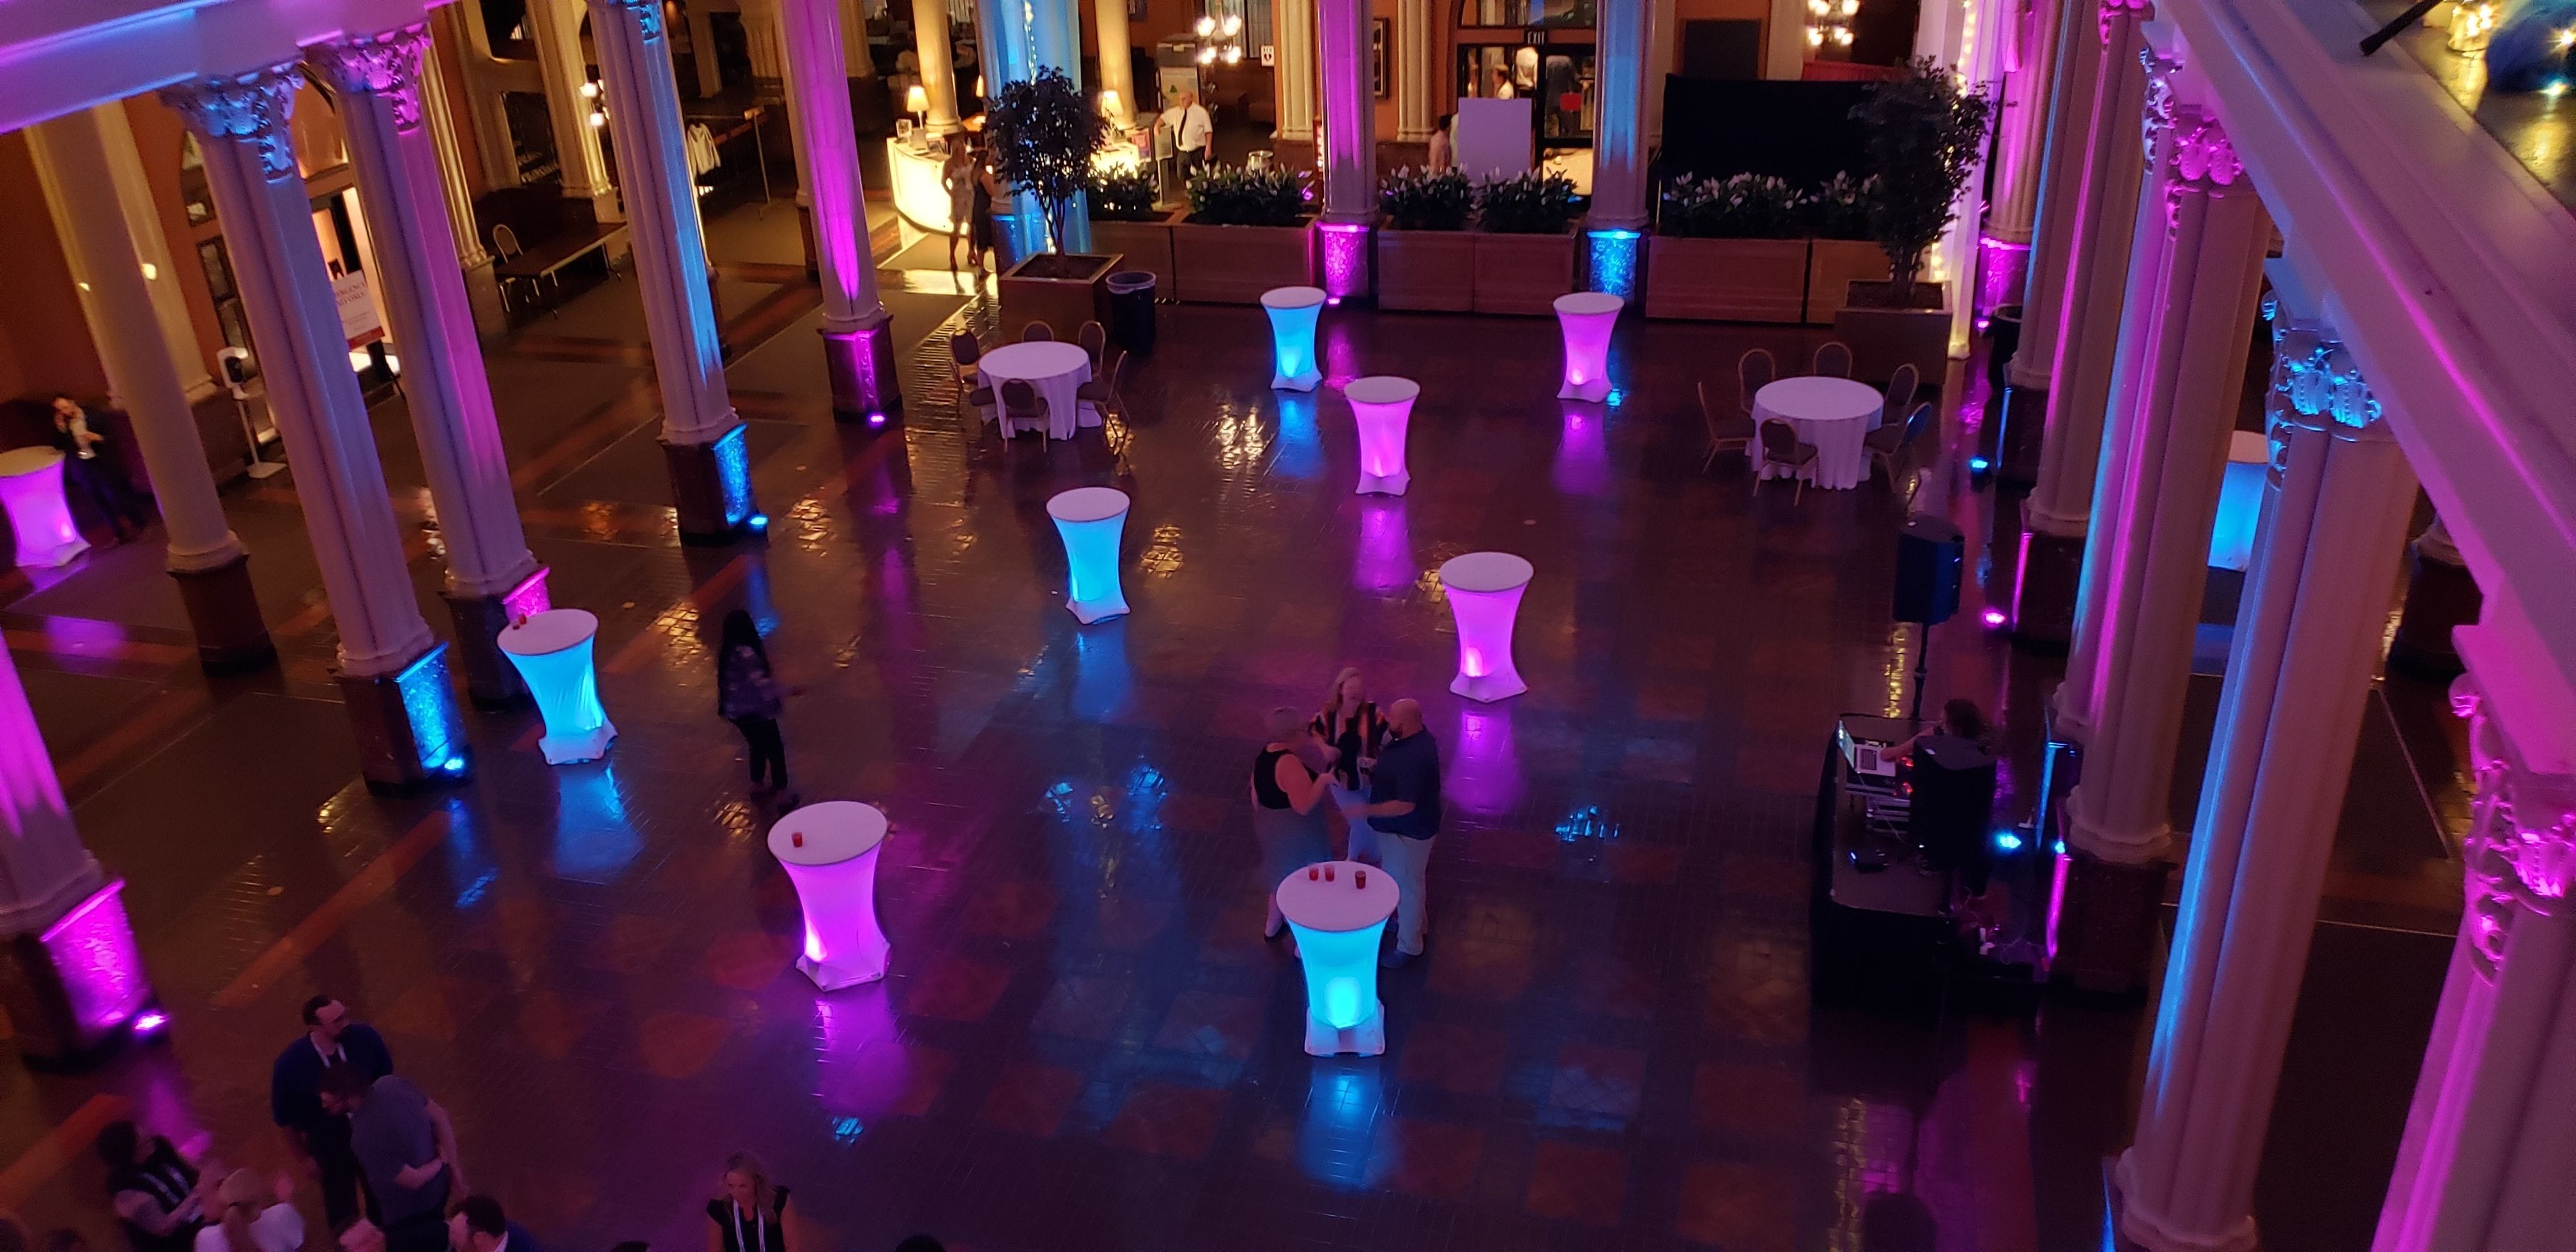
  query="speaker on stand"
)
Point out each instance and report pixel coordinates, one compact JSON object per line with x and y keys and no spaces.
{"x":1929,"y":552}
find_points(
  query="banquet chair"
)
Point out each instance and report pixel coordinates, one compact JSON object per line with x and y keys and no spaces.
{"x":1901,"y":387}
{"x":1780,"y":446}
{"x":1833,"y":359}
{"x":1725,"y":429}
{"x":1100,"y":395}
{"x":987,"y":406}
{"x":964,"y":350}
{"x":1893,"y":441}
{"x":505,"y":245}
{"x":1037,"y":332}
{"x":1753,"y":373}
{"x":1094,"y":339}
{"x":1021,"y":408}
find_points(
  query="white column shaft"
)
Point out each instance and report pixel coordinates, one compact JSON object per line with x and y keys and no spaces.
{"x":818,"y":106}
{"x":1619,"y":131}
{"x":764,"y":37}
{"x":1350,"y":111}
{"x":1661,"y":23}
{"x":2015,"y":209}
{"x":661,"y":201}
{"x":451,"y":160}
{"x":1415,"y":78}
{"x":2068,"y":119}
{"x":74,"y":157}
{"x":556,"y":26}
{"x":44,"y":867}
{"x":241,"y":124}
{"x":1295,"y":72}
{"x":142,"y":213}
{"x":1117,"y":60}
{"x":938,"y":69}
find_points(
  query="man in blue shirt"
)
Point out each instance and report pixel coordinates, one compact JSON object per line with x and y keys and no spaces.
{"x":331,"y":1040}
{"x":1404,"y":801}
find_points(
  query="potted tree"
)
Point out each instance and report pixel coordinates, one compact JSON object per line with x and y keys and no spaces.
{"x":1044,"y":132}
{"x":1425,"y":258}
{"x":1730,"y":250}
{"x":1925,"y":133}
{"x":1247,"y":232}
{"x":1125,"y":220}
{"x":1525,"y":242}
{"x":1841,"y":251}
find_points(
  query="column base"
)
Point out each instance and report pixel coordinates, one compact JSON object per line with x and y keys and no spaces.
{"x":2017,"y":440}
{"x":805,"y":235}
{"x":2044,"y":589}
{"x":862,"y":366}
{"x":711,"y":488}
{"x":2134,"y":1228}
{"x":483,"y":292}
{"x":2439,"y":596}
{"x":2106,"y":923}
{"x":490,"y":680}
{"x":77,"y":988}
{"x":1344,"y":249}
{"x":223,"y":608}
{"x":409,"y":733}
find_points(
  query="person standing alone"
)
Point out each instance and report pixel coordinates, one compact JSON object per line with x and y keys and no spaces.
{"x":1404,"y":803}
{"x":320,"y":1138}
{"x":749,"y":696}
{"x":1193,"y":134}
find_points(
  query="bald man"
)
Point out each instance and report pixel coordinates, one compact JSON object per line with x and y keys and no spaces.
{"x":1404,"y":808}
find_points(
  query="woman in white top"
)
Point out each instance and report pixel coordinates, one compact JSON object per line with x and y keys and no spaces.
{"x":256,"y":1217}
{"x":1443,"y":153}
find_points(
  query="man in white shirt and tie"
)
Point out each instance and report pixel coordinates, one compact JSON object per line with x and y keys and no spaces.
{"x":1193,"y":133}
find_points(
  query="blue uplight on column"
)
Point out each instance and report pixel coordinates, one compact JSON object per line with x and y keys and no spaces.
{"x":1614,"y":262}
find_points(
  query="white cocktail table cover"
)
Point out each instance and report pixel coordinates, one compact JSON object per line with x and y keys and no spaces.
{"x":830,"y":853}
{"x":1484,"y":590}
{"x":1293,"y":311}
{"x":1337,"y":923}
{"x":31,"y":489}
{"x":1055,"y":368}
{"x":1382,"y":408}
{"x":1831,"y":413}
{"x":1585,"y":319}
{"x":1092,"y":521}
{"x":552,"y":651}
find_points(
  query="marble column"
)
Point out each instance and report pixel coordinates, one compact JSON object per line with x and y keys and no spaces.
{"x":764,"y":37}
{"x":393,"y":672}
{"x":702,"y":439}
{"x":858,"y":344}
{"x":1417,"y":77}
{"x":491,"y":576}
{"x":2298,"y":678}
{"x":75,"y":158}
{"x":2006,"y":245}
{"x":1293,"y":22}
{"x":2487,"y":1154}
{"x":556,"y":27}
{"x":2072,"y":315}
{"x":481,"y":288}
{"x":1350,"y":147}
{"x":142,"y":214}
{"x":71,"y":980}
{"x":1117,"y":60}
{"x":1006,"y":51}
{"x":2201,"y":237}
{"x":1615,"y":228}
{"x":938,"y":73}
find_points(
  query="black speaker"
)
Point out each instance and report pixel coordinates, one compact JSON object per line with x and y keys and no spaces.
{"x":1928,"y":553}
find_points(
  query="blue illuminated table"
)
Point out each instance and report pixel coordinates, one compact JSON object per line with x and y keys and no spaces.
{"x":1484,"y":590}
{"x":1293,"y":311}
{"x":1337,"y":922}
{"x":1091,"y":520}
{"x":829,"y":851}
{"x":31,"y":489}
{"x":1382,"y":406}
{"x":1586,"y":318}
{"x":552,"y":651}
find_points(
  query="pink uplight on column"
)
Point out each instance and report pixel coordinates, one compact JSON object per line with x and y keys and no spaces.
{"x":1382,"y":406}
{"x":1587,"y":318}
{"x":92,"y":948}
{"x":1345,"y":260}
{"x":31,"y":489}
{"x":1484,"y":590}
{"x":830,"y":853}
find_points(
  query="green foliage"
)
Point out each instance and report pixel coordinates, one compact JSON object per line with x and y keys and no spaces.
{"x":1124,"y":195}
{"x":1925,"y":134}
{"x":1423,"y":200}
{"x":1535,"y":203}
{"x":1839,"y":207}
{"x":1227,"y":195}
{"x":1746,"y":206}
{"x":1044,"y":132}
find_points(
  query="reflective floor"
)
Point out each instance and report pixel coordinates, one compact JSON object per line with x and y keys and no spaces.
{"x":1084,"y":1043}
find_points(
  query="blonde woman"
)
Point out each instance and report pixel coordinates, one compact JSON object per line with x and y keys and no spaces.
{"x":960,"y":176}
{"x":749,"y":1211}
{"x":1350,"y":730}
{"x":256,"y":1215}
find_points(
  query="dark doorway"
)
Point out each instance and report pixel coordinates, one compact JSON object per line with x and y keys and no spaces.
{"x":1727,"y":49}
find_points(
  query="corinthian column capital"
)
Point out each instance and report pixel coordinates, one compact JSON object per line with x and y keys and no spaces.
{"x":2521,"y":849}
{"x":385,"y":64}
{"x":646,"y":14}
{"x":250,"y":109}
{"x":2114,"y":10}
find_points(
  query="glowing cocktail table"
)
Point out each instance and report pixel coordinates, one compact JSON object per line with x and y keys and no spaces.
{"x":1381,"y":406}
{"x":31,"y":488}
{"x":1091,"y":520}
{"x":551,"y":650}
{"x":1337,"y":923}
{"x":830,"y":853}
{"x":1292,"y":335}
{"x":1484,"y":590}
{"x":1587,"y":318}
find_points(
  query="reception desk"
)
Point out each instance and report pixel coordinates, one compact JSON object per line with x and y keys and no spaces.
{"x":920,"y":195}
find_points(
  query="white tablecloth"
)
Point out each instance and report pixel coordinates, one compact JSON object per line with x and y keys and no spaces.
{"x":1831,"y":413}
{"x":1052,"y":366}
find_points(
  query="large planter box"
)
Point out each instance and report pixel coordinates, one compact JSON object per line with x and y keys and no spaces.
{"x":1235,"y":264}
{"x":1426,"y":269}
{"x":1064,"y":290}
{"x":1726,"y":280}
{"x":1882,"y":339}
{"x":1833,"y":265}
{"x":1146,"y":245}
{"x":1522,"y":273}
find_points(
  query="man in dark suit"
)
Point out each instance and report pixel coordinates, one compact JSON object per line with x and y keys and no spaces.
{"x":320,"y":1137}
{"x":480,"y":1226}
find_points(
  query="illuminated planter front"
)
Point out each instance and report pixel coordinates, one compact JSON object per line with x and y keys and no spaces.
{"x":830,"y":853}
{"x":31,"y":488}
{"x":1381,"y":405}
{"x":1337,"y":923}
{"x":552,"y":652}
{"x":1091,"y":520}
{"x":1484,"y":590}
{"x":1587,"y":318}
{"x":1292,"y":313}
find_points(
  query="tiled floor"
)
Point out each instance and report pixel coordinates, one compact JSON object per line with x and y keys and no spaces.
{"x":1084,"y":1043}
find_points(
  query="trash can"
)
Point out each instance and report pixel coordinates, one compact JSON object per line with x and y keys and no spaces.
{"x":1131,"y":310}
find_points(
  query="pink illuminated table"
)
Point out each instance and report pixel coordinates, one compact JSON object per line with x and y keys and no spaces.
{"x":1587,"y":318}
{"x":830,"y":853}
{"x":1381,"y":405}
{"x":1337,"y":922}
{"x":1293,"y":311}
{"x":1484,"y":590}
{"x":31,"y":489}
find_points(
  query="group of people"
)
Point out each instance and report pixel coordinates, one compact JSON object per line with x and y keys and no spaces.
{"x":1350,"y":783}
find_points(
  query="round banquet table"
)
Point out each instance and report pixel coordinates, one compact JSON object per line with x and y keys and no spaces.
{"x":1052,"y":366}
{"x":1381,"y":406}
{"x":830,"y":853}
{"x":1586,"y":319}
{"x":1091,"y":521}
{"x":1831,"y":413}
{"x":31,"y":489}
{"x":1293,"y":311}
{"x":1484,"y":590}
{"x":1337,"y":923}
{"x":552,"y":651}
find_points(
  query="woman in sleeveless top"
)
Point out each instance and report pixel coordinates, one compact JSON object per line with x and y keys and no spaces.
{"x":750,"y":1213}
{"x":154,"y":1189}
{"x":1350,"y":731}
{"x":1287,"y":811}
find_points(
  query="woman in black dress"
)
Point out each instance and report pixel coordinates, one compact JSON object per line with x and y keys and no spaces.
{"x":750,"y":696}
{"x":154,"y":1189}
{"x":749,"y":1212}
{"x":1350,"y":732}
